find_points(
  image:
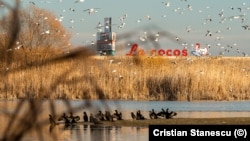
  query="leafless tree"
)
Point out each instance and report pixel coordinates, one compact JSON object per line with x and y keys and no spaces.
{"x":40,"y":28}
{"x":31,"y":28}
{"x":35,"y":31}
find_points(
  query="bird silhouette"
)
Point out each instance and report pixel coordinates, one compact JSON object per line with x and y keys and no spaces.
{"x":118,"y":115}
{"x":85,"y":117}
{"x":52,"y":120}
{"x":78,"y":1}
{"x":152,"y":114}
{"x":133,"y":115}
{"x":91,"y":10}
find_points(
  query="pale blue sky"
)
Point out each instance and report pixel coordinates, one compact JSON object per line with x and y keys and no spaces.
{"x":174,"y":18}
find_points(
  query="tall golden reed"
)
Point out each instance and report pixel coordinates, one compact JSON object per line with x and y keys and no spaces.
{"x":131,"y":78}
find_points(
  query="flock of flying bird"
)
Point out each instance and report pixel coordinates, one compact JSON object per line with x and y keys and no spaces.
{"x":107,"y":116}
{"x":241,"y":16}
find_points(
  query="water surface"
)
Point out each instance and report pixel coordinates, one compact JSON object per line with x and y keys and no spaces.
{"x":194,"y":109}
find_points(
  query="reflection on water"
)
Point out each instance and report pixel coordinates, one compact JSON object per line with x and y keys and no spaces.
{"x":101,"y":133}
{"x":213,"y":114}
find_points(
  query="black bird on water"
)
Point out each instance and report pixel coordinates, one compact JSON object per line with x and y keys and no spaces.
{"x":65,"y":118}
{"x":52,"y":120}
{"x":152,"y":114}
{"x":100,"y":116}
{"x":85,"y":117}
{"x":133,"y":115}
{"x":108,"y":116}
{"x":162,"y":113}
{"x":167,"y":114}
{"x":118,"y":115}
{"x":139,"y":116}
{"x":94,"y":120}
{"x":69,"y":119}
{"x":73,"y":119}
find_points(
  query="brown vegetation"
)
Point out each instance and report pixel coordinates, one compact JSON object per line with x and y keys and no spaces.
{"x":130,"y":78}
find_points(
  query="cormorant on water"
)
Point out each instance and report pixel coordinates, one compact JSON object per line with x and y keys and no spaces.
{"x":166,"y":114}
{"x":139,"y":116}
{"x":162,"y":113}
{"x":108,"y":116}
{"x":85,"y":117}
{"x":152,"y":114}
{"x":133,"y":116}
{"x":118,"y":115}
{"x":73,"y":118}
{"x":100,"y":116}
{"x":65,"y":118}
{"x":94,"y":120}
{"x":169,"y":114}
{"x":52,"y":120}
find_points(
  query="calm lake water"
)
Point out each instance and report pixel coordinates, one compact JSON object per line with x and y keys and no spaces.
{"x":194,"y":109}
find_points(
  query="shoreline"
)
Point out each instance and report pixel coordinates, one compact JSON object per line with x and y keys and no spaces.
{"x":173,"y":121}
{"x":182,"y":121}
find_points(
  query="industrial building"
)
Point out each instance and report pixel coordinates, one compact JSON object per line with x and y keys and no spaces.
{"x":106,"y":40}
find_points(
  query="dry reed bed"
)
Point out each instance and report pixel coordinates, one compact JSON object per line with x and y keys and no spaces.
{"x":133,"y":78}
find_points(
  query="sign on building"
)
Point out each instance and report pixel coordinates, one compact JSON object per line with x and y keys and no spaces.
{"x":106,"y":40}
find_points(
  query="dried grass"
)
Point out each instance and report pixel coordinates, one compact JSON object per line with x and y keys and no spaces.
{"x":131,"y":78}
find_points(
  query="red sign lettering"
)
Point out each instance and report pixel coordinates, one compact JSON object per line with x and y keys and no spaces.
{"x":169,"y":52}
